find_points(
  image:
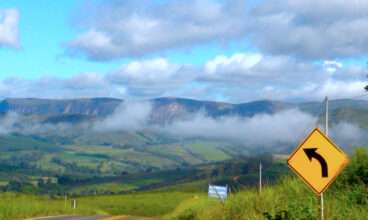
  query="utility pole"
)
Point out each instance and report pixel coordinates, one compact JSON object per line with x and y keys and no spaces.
{"x":326,"y":132}
{"x":260,"y":177}
{"x":326,"y":125}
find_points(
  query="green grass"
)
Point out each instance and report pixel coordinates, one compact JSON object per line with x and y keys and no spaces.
{"x":45,"y":163}
{"x":139,"y":204}
{"x":208,"y":151}
{"x":114,"y":187}
{"x":176,"y":152}
{"x":291,"y":196}
{"x":17,"y":142}
{"x":17,"y":206}
{"x":105,"y":156}
{"x":120,"y":155}
{"x":193,"y":186}
{"x":21,"y":206}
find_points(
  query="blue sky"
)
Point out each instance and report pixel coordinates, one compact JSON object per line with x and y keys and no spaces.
{"x":43,"y":38}
{"x":233,"y":50}
{"x":44,"y":27}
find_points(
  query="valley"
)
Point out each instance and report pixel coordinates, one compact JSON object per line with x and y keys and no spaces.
{"x":82,"y":146}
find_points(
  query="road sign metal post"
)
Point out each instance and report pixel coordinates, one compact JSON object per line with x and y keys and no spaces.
{"x":318,"y":161}
{"x":326,"y":132}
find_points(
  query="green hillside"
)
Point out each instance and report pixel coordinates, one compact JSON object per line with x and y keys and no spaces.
{"x":290,"y":198}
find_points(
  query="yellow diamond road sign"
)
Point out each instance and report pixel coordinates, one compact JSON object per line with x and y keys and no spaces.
{"x":318,"y":161}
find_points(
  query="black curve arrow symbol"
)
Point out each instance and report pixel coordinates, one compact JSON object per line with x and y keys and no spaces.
{"x":311,"y":153}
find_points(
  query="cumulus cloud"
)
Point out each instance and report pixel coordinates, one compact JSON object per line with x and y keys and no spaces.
{"x":301,"y":48}
{"x":157,"y":71}
{"x":147,"y":71}
{"x":9,"y":19}
{"x":152,"y":77}
{"x":129,"y":116}
{"x":255,"y":67}
{"x":245,"y":76}
{"x":311,"y":29}
{"x":237,"y":63}
{"x":341,"y":89}
{"x":127,"y":28}
{"x":236,"y":78}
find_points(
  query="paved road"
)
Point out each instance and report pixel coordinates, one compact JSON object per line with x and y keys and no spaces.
{"x":71,"y":218}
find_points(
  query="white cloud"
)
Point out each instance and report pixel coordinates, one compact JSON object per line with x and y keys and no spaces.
{"x":260,"y":130}
{"x":86,"y":81}
{"x":236,"y":78}
{"x":341,"y":89}
{"x":332,"y":66}
{"x":126,"y":28}
{"x":8,"y":123}
{"x":255,"y":68}
{"x":348,"y":134}
{"x":148,"y":71}
{"x":237,"y":63}
{"x":129,"y":116}
{"x":9,"y":19}
{"x":306,"y":29}
{"x":311,"y":29}
{"x":95,"y":43}
{"x":152,"y":77}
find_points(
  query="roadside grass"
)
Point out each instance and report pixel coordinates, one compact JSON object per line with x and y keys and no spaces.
{"x":147,"y":204}
{"x":20,"y":206}
{"x":290,"y":199}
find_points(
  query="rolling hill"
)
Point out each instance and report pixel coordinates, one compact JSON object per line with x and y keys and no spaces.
{"x":58,"y":137}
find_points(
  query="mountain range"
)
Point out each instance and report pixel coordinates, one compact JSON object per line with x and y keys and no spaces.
{"x":167,"y":109}
{"x":56,"y":137}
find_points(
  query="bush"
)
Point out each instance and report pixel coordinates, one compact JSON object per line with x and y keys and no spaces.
{"x":357,"y":171}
